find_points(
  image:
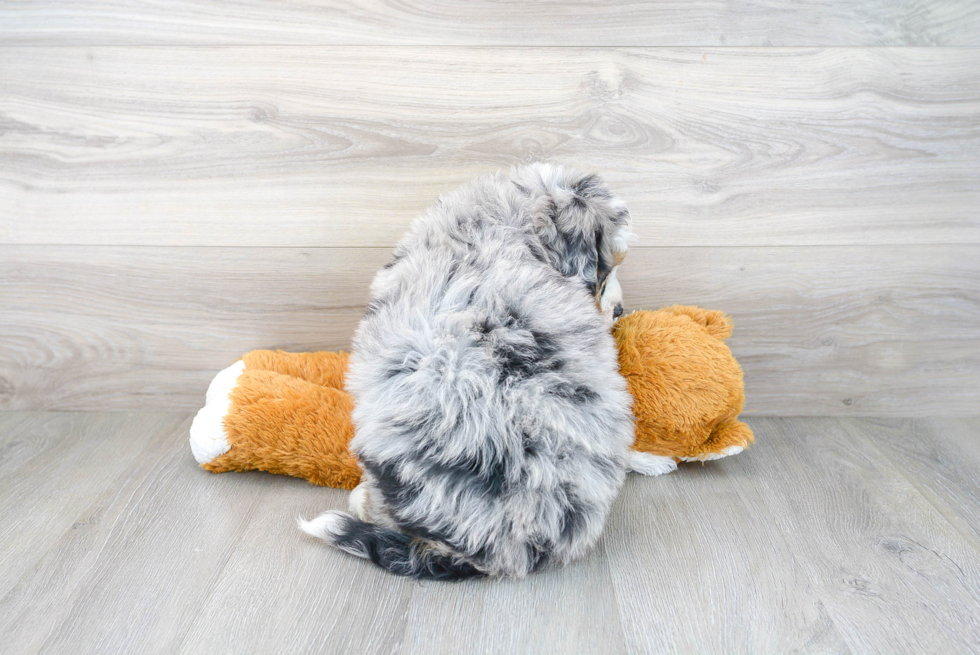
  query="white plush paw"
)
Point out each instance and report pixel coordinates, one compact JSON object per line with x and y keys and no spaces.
{"x":648,"y":464}
{"x":208,"y":428}
{"x":707,"y":457}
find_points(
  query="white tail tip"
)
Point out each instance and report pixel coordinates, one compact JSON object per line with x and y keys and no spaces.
{"x":327,"y":526}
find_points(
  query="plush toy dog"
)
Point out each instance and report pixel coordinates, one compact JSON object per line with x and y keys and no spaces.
{"x":288,"y":413}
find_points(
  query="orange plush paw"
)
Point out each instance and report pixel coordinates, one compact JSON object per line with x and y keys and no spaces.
{"x":208,"y":437}
{"x":257,"y":419}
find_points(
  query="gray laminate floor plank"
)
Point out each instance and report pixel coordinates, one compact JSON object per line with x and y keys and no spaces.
{"x":283,"y":591}
{"x":571,"y":610}
{"x":812,"y":540}
{"x":941,"y":457}
{"x":700,"y":565}
{"x":144,"y":555}
{"x":892,"y":572}
{"x":52,"y":467}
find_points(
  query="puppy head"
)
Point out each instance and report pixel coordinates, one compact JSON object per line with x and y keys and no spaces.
{"x":583,"y":228}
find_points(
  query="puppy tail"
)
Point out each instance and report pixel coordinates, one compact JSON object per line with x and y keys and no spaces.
{"x":393,"y":551}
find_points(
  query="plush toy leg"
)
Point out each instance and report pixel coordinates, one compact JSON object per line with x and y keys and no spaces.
{"x":259,"y":419}
{"x":730,"y":437}
{"x":648,"y":464}
{"x":208,"y":438}
{"x":324,"y":368}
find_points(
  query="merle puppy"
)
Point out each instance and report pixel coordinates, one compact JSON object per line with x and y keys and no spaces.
{"x":492,"y":423}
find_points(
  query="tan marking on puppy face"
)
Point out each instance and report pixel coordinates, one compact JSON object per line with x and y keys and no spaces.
{"x":609,"y":293}
{"x":611,"y":298}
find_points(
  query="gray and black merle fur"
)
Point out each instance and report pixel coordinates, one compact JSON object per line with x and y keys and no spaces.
{"x":492,"y":423}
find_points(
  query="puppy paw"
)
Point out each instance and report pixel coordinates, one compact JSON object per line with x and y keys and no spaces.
{"x":357,"y":502}
{"x":648,"y":464}
{"x":208,"y":438}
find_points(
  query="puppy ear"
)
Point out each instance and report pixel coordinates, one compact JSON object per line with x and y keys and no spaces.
{"x":602,"y":265}
{"x":579,"y":225}
{"x":544,"y":213}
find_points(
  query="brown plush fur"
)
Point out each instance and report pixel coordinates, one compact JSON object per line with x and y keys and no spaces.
{"x":687,"y":388}
{"x":289,"y":413}
{"x":324,"y":368}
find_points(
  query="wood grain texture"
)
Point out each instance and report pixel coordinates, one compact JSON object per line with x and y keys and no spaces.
{"x":493,"y":22}
{"x":810,"y":541}
{"x":573,"y":610}
{"x":146,"y":553}
{"x":51,"y":466}
{"x":819,"y":331}
{"x":333,"y":146}
{"x":941,"y":457}
{"x":887,"y":566}
{"x":92,"y":328}
{"x":864,"y":331}
{"x":703,"y":534}
{"x":305,"y":600}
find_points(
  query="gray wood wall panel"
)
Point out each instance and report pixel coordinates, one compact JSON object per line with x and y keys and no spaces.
{"x":867,"y":331}
{"x":344,"y":146}
{"x":835,"y":330}
{"x":491,"y":22}
{"x":88,"y":327}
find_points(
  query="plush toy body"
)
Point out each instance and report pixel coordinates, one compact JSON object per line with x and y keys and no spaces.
{"x":288,"y":412}
{"x":687,"y":387}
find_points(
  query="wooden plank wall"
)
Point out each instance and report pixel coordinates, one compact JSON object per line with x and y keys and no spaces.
{"x":492,"y":22}
{"x":181,"y":184}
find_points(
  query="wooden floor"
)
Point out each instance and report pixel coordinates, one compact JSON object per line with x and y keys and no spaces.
{"x":830,"y":535}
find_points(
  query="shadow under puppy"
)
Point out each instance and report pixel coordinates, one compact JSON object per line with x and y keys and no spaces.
{"x":492,"y":424}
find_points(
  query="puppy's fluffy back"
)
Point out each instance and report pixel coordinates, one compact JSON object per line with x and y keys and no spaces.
{"x":491,"y":420}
